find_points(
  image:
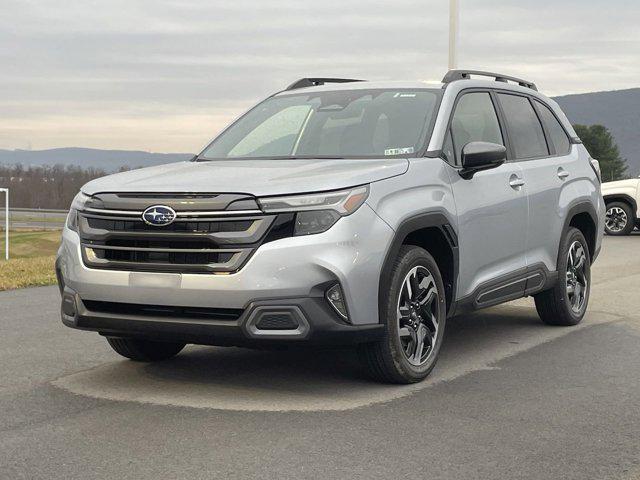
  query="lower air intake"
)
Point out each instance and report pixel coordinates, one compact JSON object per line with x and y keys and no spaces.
{"x":277,"y":321}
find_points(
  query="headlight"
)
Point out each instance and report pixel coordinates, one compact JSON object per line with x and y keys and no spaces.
{"x":317,"y":212}
{"x":72,"y":219}
{"x":78,"y":203}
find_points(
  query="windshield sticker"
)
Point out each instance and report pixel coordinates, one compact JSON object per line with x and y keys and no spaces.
{"x":398,"y":151}
{"x":404,"y":95}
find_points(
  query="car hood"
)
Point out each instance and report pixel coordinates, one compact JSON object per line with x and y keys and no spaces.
{"x":254,"y":177}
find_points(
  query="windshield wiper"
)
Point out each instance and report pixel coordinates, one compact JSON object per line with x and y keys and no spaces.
{"x":314,"y":157}
{"x":293,"y":157}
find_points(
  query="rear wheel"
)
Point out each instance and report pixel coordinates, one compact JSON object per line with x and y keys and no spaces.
{"x":415,"y":315}
{"x":566,"y":303}
{"x":619,"y":219}
{"x":144,"y":350}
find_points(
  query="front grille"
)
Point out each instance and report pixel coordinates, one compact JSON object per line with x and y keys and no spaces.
{"x":215,"y":241}
{"x":164,"y":311}
{"x":165,"y":257}
{"x":195,"y":227}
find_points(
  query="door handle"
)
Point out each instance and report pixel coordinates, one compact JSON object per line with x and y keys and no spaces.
{"x":516,"y":182}
{"x":562,"y":173}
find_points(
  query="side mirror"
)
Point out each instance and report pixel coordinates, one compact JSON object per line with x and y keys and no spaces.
{"x":478,"y":156}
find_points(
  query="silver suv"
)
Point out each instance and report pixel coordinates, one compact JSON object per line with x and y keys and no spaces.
{"x":342,"y":211}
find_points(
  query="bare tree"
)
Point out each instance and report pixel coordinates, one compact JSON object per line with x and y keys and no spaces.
{"x":45,"y":187}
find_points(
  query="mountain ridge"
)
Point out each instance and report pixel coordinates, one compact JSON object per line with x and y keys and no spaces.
{"x":618,"y":110}
{"x":107,"y":160}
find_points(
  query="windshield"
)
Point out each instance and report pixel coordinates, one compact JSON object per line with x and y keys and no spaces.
{"x":330,"y":124}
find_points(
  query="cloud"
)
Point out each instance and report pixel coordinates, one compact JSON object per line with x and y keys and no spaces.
{"x":166,"y":75}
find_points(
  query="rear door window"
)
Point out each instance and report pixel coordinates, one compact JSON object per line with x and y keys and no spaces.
{"x":525,"y":131}
{"x":558,"y":136}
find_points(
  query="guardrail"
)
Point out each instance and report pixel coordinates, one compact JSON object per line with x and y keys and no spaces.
{"x":44,"y":210}
{"x":38,"y":219}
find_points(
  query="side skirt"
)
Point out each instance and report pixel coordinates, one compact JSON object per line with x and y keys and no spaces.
{"x":521,"y":283}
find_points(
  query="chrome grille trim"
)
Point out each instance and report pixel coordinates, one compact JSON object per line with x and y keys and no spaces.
{"x":238,"y":258}
{"x":219,"y":214}
{"x":197,"y":241}
{"x":184,"y":214}
{"x":97,"y":211}
{"x":258,"y":227}
{"x":162,"y":250}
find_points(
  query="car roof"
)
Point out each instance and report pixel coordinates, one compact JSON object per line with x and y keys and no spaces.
{"x":454,"y":86}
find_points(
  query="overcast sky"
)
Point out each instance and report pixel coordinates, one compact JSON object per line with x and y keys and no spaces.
{"x":165,"y":76}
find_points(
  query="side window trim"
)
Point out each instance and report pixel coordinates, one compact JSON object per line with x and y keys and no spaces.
{"x":547,"y":134}
{"x":544,"y":104}
{"x":449,"y":136}
{"x":538,"y":104}
{"x":542,"y":126}
{"x":502,"y":120}
{"x":498,"y":111}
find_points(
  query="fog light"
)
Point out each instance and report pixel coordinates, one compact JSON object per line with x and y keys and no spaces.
{"x":69,"y":305}
{"x":335,"y":298}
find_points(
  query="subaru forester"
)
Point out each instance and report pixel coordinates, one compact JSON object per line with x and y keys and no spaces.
{"x":341,"y":211}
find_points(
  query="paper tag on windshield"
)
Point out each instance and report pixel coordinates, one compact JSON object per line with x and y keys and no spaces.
{"x":398,"y":151}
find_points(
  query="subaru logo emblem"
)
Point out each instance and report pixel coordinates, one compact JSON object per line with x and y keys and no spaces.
{"x":159,"y":215}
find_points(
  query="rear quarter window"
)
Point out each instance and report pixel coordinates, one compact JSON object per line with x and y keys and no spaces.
{"x":558,"y":135}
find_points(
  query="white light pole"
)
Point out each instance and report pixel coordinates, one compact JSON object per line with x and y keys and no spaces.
{"x":454,"y":19}
{"x":6,"y":222}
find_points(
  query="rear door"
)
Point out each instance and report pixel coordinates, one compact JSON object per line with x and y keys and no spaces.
{"x":491,"y":207}
{"x":543,"y":150}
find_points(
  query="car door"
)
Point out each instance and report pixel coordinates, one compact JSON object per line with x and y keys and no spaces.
{"x":548,"y":164}
{"x":491,"y":208}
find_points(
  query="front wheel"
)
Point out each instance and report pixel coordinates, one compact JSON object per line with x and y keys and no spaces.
{"x":566,"y":303}
{"x":141,"y":350}
{"x":414,"y":312}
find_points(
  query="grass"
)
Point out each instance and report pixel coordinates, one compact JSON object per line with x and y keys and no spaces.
{"x":27,"y":272}
{"x":32,"y":257}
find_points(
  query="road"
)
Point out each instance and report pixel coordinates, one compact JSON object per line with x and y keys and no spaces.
{"x":510,"y":398}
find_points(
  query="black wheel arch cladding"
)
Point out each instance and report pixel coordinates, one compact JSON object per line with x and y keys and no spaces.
{"x":433,"y":232}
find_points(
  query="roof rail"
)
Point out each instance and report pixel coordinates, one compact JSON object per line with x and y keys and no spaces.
{"x":314,"y":82}
{"x":453,"y":75}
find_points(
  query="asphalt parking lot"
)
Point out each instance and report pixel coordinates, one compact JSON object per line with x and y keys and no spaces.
{"x":510,"y":398}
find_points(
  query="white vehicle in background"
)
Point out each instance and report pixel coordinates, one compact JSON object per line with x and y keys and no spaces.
{"x":622,"y":199}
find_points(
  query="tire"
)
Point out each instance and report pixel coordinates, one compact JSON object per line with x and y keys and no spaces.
{"x":140,"y":350}
{"x":558,"y":306}
{"x":400,"y":357}
{"x":619,"y":219}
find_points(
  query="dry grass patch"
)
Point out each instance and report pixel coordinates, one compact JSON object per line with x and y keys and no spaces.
{"x":27,"y":272}
{"x":31,"y":243}
{"x":32,"y":258}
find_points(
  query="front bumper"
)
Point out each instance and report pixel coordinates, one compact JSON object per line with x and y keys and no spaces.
{"x":291,"y":272}
{"x":315,"y":323}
